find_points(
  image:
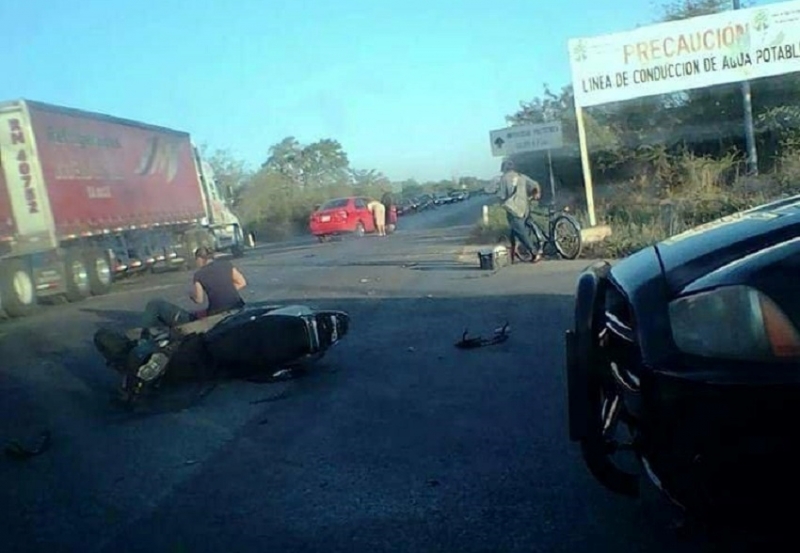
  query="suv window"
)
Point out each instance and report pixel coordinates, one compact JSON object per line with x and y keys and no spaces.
{"x":361,"y":203}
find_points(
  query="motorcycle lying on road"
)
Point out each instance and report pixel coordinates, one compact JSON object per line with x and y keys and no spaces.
{"x":264,"y":342}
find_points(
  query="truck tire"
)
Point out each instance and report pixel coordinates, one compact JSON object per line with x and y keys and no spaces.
{"x":101,"y":277}
{"x":190,"y":244}
{"x":76,"y":276}
{"x":17,"y":289}
{"x":237,"y":250}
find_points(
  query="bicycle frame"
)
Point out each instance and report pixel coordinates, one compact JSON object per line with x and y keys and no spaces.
{"x":548,"y":232}
{"x":549,"y":239}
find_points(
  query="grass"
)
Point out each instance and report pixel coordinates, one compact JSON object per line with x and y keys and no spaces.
{"x":688,"y":191}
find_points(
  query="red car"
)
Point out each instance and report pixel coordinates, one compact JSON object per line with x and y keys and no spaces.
{"x":342,"y":216}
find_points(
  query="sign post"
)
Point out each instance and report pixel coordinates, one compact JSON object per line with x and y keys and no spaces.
{"x":552,"y":178}
{"x":586,"y":166}
{"x":709,"y":50}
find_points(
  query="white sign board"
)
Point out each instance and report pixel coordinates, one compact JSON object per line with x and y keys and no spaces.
{"x":526,"y":138}
{"x":693,"y":53}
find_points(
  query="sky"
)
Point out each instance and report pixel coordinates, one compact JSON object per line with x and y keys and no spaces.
{"x":408,"y":88}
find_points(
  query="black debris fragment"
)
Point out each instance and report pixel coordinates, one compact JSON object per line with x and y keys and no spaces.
{"x":500,"y":335}
{"x":17,"y":450}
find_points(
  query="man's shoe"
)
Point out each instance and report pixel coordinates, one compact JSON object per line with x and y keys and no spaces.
{"x":154,"y":367}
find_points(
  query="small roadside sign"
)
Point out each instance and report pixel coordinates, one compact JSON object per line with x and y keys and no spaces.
{"x":526,"y":138}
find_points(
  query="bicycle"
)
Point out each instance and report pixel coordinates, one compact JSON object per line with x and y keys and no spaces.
{"x":563,"y":234}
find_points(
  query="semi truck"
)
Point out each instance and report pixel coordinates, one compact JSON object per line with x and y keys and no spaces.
{"x":87,"y":198}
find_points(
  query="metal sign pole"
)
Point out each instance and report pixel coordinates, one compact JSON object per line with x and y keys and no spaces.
{"x":552,"y":178}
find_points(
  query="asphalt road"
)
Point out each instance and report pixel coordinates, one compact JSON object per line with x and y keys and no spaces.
{"x":397,"y":442}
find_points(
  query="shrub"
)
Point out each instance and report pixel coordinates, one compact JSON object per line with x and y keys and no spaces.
{"x":679,"y":192}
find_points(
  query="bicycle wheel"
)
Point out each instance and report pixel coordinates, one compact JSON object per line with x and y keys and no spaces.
{"x":567,"y":237}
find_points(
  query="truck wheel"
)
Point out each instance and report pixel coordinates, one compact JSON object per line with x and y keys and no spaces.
{"x":17,"y":289}
{"x":190,"y":244}
{"x":99,"y":270}
{"x":237,"y":250}
{"x":76,"y":276}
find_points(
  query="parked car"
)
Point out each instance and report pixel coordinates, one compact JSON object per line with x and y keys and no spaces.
{"x":405,"y":207}
{"x":425,"y":202}
{"x":342,"y":216}
{"x":442,"y":199}
{"x":692,"y":348}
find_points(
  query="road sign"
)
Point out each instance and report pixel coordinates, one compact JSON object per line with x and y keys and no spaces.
{"x":698,"y":52}
{"x":526,"y":138}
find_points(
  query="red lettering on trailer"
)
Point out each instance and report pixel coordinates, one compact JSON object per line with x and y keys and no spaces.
{"x":23,"y":167}
{"x":17,"y":136}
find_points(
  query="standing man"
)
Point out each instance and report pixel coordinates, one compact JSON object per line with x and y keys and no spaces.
{"x":515,"y":191}
{"x":378,"y":211}
{"x":391,"y":210}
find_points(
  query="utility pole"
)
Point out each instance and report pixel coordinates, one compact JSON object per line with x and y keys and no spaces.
{"x":749,"y":132}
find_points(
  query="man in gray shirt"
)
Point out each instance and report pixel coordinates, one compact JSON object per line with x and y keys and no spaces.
{"x":515,"y":192}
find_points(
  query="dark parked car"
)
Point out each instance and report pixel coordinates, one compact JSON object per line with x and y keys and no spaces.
{"x":405,"y":207}
{"x":691,"y":348}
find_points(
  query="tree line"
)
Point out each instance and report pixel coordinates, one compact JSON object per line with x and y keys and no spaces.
{"x":276,"y":199}
{"x":686,"y":144}
{"x":663,"y":139}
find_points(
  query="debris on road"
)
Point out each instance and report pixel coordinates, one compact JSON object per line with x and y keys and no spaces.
{"x":493,"y":259}
{"x":500,"y":336}
{"x":19,"y":451}
{"x":280,"y":395}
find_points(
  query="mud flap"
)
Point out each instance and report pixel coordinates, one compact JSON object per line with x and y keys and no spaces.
{"x":577,"y":388}
{"x":580,"y":354}
{"x":584,"y":382}
{"x":113,"y":345}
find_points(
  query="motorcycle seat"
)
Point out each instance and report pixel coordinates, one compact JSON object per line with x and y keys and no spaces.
{"x":199,"y":326}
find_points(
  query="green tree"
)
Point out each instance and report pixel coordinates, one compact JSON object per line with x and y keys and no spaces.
{"x":370,"y":178}
{"x":231,"y":173}
{"x":684,"y":9}
{"x":322,"y":163}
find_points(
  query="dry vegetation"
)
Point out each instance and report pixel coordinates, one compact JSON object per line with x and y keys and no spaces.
{"x":674,"y":192}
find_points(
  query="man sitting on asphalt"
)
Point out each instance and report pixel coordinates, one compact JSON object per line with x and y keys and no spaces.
{"x":215,"y":279}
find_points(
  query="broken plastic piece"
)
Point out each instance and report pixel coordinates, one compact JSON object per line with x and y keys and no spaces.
{"x":500,"y":336}
{"x":17,"y":450}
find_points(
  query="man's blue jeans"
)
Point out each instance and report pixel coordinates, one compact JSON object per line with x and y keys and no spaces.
{"x":160,"y":312}
{"x":519,"y":232}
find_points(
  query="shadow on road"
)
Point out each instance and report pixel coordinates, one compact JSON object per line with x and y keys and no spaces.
{"x":392,"y":408}
{"x":117,"y":317}
{"x":432,"y":265}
